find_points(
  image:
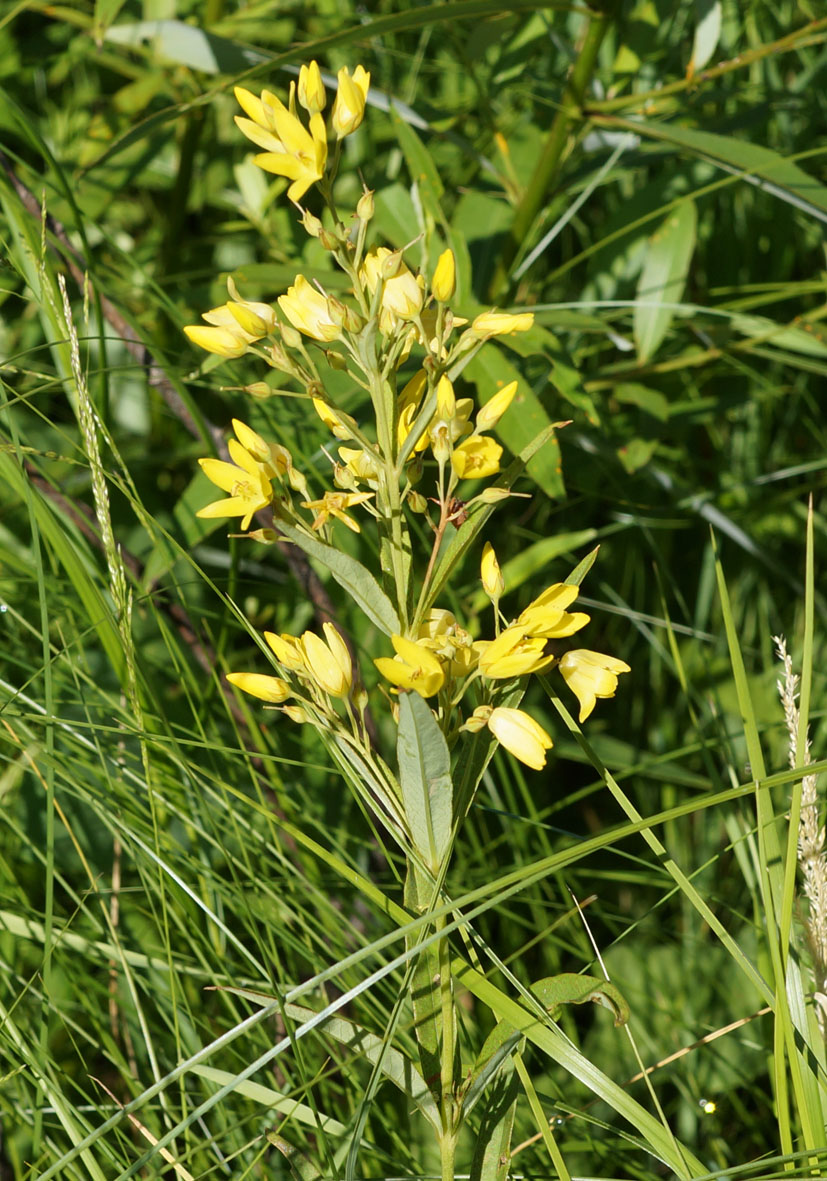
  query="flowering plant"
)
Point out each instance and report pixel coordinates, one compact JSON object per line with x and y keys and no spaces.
{"x":452,"y":697}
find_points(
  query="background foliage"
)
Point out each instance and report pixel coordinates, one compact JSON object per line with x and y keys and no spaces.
{"x":664,"y":217}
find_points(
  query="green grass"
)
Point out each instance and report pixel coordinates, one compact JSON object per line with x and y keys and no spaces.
{"x":165,"y":845}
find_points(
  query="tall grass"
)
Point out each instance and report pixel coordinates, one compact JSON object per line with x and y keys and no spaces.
{"x":184,"y":886}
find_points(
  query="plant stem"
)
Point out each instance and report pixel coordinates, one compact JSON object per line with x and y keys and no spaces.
{"x":447,"y":1143}
{"x":548,"y":166}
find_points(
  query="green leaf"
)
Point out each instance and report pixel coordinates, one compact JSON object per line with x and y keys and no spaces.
{"x":425,"y":779}
{"x":707,"y":32}
{"x":187,"y":45}
{"x":301,"y":1166}
{"x":492,"y":1151}
{"x":351,"y":575}
{"x":524,"y":420}
{"x":663,"y":278}
{"x":754,"y":163}
{"x":275,"y":1100}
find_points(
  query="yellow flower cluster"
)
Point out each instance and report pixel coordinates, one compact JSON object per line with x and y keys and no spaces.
{"x":443,"y":654}
{"x":411,"y":424}
{"x":313,"y":669}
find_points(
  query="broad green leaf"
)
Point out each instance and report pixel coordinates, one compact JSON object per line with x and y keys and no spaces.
{"x":795,"y":337}
{"x":425,"y":779}
{"x":351,"y":576}
{"x":663,"y":278}
{"x":525,"y":419}
{"x":636,"y":453}
{"x":632,"y":393}
{"x":707,"y":32}
{"x":187,"y":45}
{"x":425,"y":992}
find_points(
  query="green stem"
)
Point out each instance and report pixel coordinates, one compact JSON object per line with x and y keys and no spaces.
{"x":551,"y":159}
{"x":397,"y":544}
{"x":448,"y":1140}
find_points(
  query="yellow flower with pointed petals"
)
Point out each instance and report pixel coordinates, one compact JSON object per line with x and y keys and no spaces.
{"x":590,"y":675}
{"x":415,"y":668}
{"x":246,"y":481}
{"x":291,"y":150}
{"x":351,"y":96}
{"x":333,"y":504}
{"x":307,"y":310}
{"x":547,"y":616}
{"x":520,"y":735}
{"x":502,"y":323}
{"x":513,"y":654}
{"x":476,"y":458}
{"x":266,"y":688}
{"x":327,"y":664}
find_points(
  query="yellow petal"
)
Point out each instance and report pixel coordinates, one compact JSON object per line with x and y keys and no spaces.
{"x":272,"y":689}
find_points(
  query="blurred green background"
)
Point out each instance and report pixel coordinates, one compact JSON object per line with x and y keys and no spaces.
{"x":663,"y":215}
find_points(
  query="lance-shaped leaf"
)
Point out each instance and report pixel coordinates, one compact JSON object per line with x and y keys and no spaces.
{"x":425,"y":779}
{"x":351,"y":575}
{"x":663,"y":278}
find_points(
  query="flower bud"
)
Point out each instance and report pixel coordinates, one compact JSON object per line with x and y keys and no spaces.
{"x":329,"y":239}
{"x":258,"y":389}
{"x":335,"y":360}
{"x":311,"y":89}
{"x":417,"y":502}
{"x":365,"y":206}
{"x":291,"y":336}
{"x":296,"y":713}
{"x":446,"y":403}
{"x":349,"y":107}
{"x":495,"y":407}
{"x":391,"y":265}
{"x":445,"y":277}
{"x":311,"y":223}
{"x":492,"y":579}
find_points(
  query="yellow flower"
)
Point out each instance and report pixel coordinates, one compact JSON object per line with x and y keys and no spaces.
{"x":445,"y":277}
{"x":362,"y":465}
{"x":547,"y":616}
{"x":501,"y":323}
{"x":521,"y":735}
{"x":590,"y":675}
{"x":333,"y":504}
{"x":225,"y":341}
{"x":513,"y":654}
{"x":328,"y":664}
{"x":272,"y":689}
{"x":307,"y":310}
{"x":290,"y":149}
{"x":311,"y":89}
{"x":414,"y":667}
{"x":495,"y":408}
{"x":246,"y":480}
{"x":451,"y":643}
{"x":476,"y":458}
{"x":286,"y":650}
{"x":403,"y":292}
{"x":492,"y":577}
{"x":349,"y":107}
